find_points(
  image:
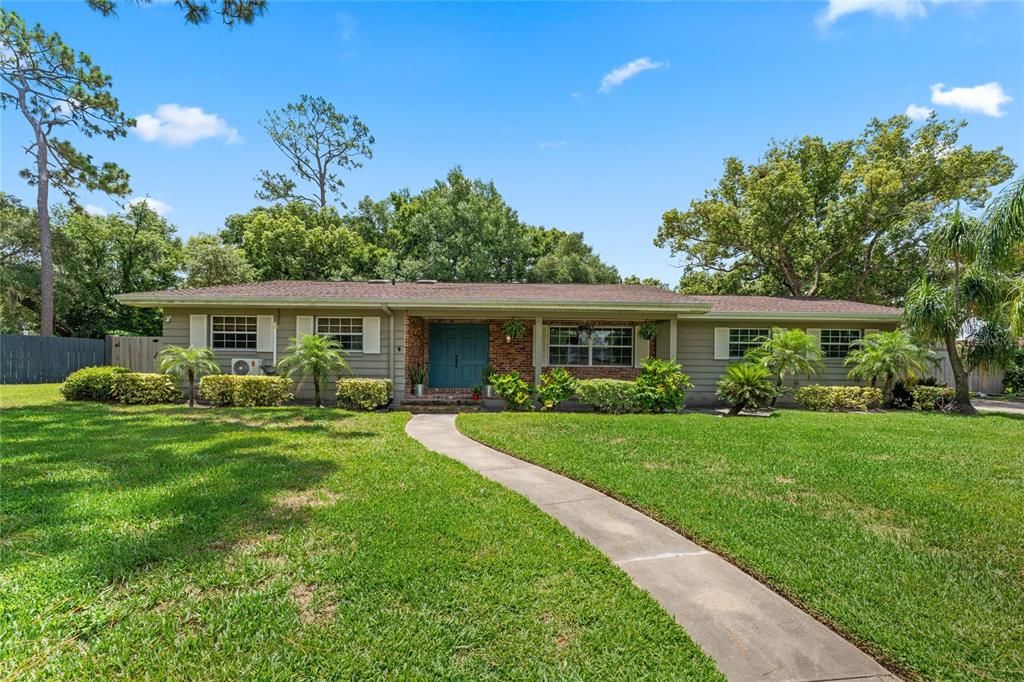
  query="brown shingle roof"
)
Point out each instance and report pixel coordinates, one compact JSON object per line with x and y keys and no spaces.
{"x":491,"y":292}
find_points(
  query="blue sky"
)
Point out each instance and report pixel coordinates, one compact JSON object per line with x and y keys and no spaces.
{"x":513,"y":93}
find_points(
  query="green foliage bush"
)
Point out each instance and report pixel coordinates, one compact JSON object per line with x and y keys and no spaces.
{"x":661,"y":386}
{"x":836,"y":398}
{"x":555,"y":387}
{"x":91,"y":383}
{"x":224,"y":390}
{"x":510,"y":387}
{"x":364,"y":394}
{"x":1013,"y":382}
{"x":262,"y":391}
{"x":746,"y":384}
{"x":608,"y":395}
{"x":218,"y":389}
{"x":136,"y":388}
{"x":932,"y":397}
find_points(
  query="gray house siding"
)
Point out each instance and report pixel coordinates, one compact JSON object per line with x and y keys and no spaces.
{"x":369,"y":365}
{"x":696,"y":352}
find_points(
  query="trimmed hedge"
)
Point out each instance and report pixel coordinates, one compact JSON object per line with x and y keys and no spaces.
{"x":135,"y":388}
{"x":91,"y":383}
{"x":837,"y":398}
{"x":932,"y":397}
{"x":364,"y":394}
{"x":226,"y":390}
{"x":608,"y":395}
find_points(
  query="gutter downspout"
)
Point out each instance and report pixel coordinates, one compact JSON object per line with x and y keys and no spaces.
{"x":391,"y":344}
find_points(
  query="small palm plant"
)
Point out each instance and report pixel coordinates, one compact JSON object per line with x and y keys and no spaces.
{"x":787,"y":352}
{"x":315,"y":357}
{"x":888,"y":357}
{"x":190,"y":363}
{"x":746,"y":384}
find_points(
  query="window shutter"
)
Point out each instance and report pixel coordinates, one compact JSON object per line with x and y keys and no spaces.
{"x":197,"y":331}
{"x":264,"y":333}
{"x":816,"y":335}
{"x":303,"y":326}
{"x":371,"y":334}
{"x":721,"y":343}
{"x":641,"y":348}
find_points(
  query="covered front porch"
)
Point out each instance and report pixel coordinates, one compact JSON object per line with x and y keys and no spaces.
{"x":458,"y":352}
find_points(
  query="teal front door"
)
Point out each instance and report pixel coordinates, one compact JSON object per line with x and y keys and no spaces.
{"x":458,"y":354}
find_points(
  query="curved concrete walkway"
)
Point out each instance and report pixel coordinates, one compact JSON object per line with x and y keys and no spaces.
{"x":750,"y":631}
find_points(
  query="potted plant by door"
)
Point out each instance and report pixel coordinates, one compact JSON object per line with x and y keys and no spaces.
{"x":418,"y":377}
{"x":486,"y":379}
{"x":513,"y":329}
{"x":476,"y":392}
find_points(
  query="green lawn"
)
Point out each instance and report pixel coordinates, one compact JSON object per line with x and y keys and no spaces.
{"x":168,"y":543}
{"x":904,"y":530}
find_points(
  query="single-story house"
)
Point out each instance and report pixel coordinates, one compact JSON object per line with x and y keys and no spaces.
{"x":457,"y":329}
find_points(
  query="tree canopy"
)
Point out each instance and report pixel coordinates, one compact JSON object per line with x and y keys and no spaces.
{"x":209,"y":262}
{"x":844,"y":219}
{"x":232,"y":12}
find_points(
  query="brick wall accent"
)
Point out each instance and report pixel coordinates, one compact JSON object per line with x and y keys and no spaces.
{"x":511,"y":356}
{"x":627,"y":373}
{"x":415,"y":342}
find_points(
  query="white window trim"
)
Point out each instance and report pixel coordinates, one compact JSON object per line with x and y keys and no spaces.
{"x":728,"y":341}
{"x":362,"y":333}
{"x":822,"y":342}
{"x":590,"y":346}
{"x":255,"y":333}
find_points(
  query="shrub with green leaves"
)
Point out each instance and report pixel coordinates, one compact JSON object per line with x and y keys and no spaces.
{"x":218,"y":389}
{"x":136,"y":388}
{"x":262,"y":391}
{"x":661,"y":386}
{"x":746,"y":384}
{"x":364,"y":394}
{"x":513,"y":389}
{"x":91,"y":383}
{"x":608,"y":395}
{"x":932,"y":397}
{"x":1013,"y":382}
{"x":839,"y":398}
{"x":556,"y":386}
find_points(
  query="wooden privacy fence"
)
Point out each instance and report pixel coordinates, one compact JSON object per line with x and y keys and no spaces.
{"x":980,"y":380}
{"x":137,"y":353}
{"x":47,"y":359}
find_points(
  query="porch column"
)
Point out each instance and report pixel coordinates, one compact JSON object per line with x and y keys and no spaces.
{"x":673,"y":336}
{"x":538,"y":349}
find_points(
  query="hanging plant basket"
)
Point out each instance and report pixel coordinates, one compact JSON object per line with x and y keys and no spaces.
{"x":648,"y":331}
{"x":514,"y":329}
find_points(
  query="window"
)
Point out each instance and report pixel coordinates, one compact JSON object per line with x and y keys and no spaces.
{"x":233,"y":333}
{"x":347,"y":331}
{"x":601,"y":347}
{"x":835,"y":343}
{"x":743,"y":340}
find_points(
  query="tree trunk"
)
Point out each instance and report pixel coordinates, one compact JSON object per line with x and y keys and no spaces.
{"x":45,"y":241}
{"x":778,"y":390}
{"x":963,"y":391}
{"x":316,"y":392}
{"x":735,"y":409}
{"x":191,"y":388}
{"x":887,"y":391}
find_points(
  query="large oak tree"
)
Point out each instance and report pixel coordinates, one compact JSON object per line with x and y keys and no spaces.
{"x":843,"y":219}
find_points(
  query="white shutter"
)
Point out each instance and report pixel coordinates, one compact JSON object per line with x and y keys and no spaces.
{"x":264,"y":333}
{"x":815,"y":334}
{"x":641,"y":348}
{"x":197,"y":331}
{"x":721,"y":343}
{"x":303,"y":326}
{"x":371,"y":334}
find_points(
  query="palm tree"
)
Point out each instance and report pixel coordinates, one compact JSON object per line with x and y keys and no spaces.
{"x":787,"y":352}
{"x":888,"y":357}
{"x":315,"y":357}
{"x":1002,"y":246}
{"x":745,"y":384}
{"x":189,"y":362}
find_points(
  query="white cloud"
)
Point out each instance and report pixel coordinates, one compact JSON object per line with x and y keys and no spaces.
{"x":179,"y":126}
{"x":155,"y":205}
{"x":900,"y":9}
{"x":987,"y":99}
{"x":94,"y":210}
{"x":554,"y":144}
{"x":620,"y":75}
{"x":346,"y":27}
{"x":918,"y":113}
